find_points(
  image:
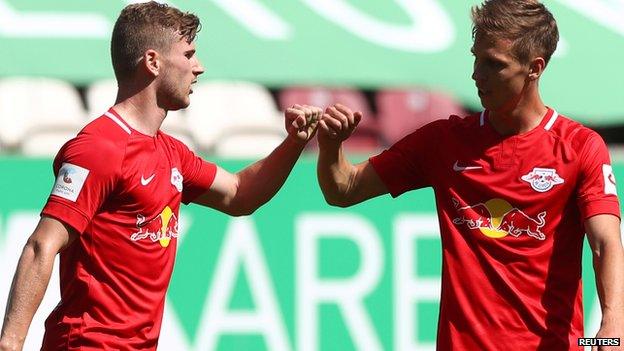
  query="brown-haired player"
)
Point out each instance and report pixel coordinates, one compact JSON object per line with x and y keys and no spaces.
{"x":517,"y":186}
{"x":113,"y":211}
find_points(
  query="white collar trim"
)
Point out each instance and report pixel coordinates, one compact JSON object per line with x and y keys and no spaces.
{"x":118,"y":121}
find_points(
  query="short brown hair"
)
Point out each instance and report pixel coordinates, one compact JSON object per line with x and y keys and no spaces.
{"x":149,"y":25}
{"x":527,"y":23}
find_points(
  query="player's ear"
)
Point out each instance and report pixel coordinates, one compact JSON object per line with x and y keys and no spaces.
{"x":536,"y":68}
{"x":151,"y":62}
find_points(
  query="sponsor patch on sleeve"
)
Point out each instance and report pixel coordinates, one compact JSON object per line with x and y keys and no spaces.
{"x":609,"y":180}
{"x":69,"y":182}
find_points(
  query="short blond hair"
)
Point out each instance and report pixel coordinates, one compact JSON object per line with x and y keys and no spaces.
{"x":527,"y":23}
{"x":144,"y":26}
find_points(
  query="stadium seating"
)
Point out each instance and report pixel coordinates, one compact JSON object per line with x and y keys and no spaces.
{"x":40,"y":112}
{"x":365,"y":138}
{"x":100,"y":96}
{"x":402,"y":111}
{"x":247,"y":145}
{"x":241,"y":114}
{"x":45,"y":144}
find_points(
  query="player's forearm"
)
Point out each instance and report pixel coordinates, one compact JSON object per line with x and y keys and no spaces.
{"x":259,"y":182}
{"x":29,"y":284}
{"x":609,"y":268}
{"x":334,"y":174}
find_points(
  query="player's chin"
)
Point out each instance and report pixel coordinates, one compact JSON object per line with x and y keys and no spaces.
{"x":185,"y":101}
{"x":486,"y":102}
{"x":180,"y":104}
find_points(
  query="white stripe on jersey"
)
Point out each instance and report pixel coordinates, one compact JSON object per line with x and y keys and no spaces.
{"x":552,"y":120}
{"x":116,"y":120}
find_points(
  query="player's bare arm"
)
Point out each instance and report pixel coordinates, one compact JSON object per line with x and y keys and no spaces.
{"x":31,"y":279}
{"x":603,"y":233}
{"x":244,"y":192}
{"x":343,"y":184}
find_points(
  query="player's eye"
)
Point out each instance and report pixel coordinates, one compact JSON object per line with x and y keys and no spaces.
{"x":496,"y":64}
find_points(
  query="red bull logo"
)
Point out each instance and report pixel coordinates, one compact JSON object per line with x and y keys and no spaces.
{"x":497,"y":218}
{"x":161,"y":228}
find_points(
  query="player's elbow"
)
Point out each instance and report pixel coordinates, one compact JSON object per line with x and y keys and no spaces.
{"x":38,"y":248}
{"x":601,"y":248}
{"x":340,"y":204}
{"x":337,"y":200}
{"x":597,"y":252}
{"x":242,"y":210}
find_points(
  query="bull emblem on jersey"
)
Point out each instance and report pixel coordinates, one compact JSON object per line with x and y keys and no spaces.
{"x":161,"y":228}
{"x":497,"y":218}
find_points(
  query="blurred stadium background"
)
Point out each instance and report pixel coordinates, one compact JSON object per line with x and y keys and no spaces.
{"x":296,"y":275}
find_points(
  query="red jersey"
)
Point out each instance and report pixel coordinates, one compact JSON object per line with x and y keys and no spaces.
{"x":511,"y":212}
{"x":121,"y":190}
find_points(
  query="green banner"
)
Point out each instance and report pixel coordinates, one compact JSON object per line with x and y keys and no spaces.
{"x":296,"y":275}
{"x":368,"y":43}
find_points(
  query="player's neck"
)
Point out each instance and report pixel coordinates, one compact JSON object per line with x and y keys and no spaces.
{"x":521,"y":117}
{"x":139,"y":109}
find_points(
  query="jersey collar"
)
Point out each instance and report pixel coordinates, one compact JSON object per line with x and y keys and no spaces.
{"x":112,"y":114}
{"x":547,"y":122}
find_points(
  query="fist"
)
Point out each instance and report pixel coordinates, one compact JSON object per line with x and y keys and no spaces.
{"x":338,"y":123}
{"x":302,"y":121}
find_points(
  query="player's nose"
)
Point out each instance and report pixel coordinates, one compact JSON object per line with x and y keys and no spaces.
{"x":198,"y":68}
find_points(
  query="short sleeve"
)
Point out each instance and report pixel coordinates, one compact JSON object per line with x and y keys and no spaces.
{"x":404,"y":166}
{"x":198,"y":174}
{"x":86,"y":171}
{"x":597,"y":193}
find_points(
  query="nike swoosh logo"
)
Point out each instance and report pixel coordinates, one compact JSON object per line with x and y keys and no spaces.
{"x":144,"y":181}
{"x":458,"y":168}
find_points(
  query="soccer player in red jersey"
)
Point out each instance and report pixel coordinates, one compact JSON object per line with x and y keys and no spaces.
{"x":516,"y":187}
{"x":113,"y":211}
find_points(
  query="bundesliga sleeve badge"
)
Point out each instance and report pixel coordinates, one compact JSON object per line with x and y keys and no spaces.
{"x":609,"y":180}
{"x":69,"y":182}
